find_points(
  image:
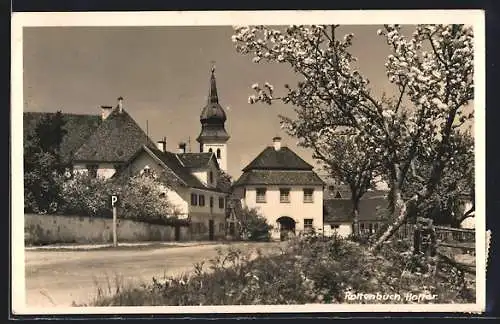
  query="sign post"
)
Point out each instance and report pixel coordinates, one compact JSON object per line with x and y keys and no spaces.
{"x":114,"y":201}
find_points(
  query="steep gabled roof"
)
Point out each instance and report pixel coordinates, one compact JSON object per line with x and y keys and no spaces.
{"x":196,"y":160}
{"x":115,"y":140}
{"x":340,"y":210}
{"x":173,"y":166}
{"x":282,"y":159}
{"x":78,"y":129}
{"x":278,"y":177}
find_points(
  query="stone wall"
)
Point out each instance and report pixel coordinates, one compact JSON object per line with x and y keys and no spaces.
{"x":47,"y":229}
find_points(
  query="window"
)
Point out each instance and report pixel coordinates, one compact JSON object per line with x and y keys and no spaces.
{"x":211,"y":202}
{"x":210,"y":150}
{"x":92,"y":169}
{"x":221,"y":202}
{"x":261,"y":195}
{"x":218,"y":153}
{"x":362,"y":226}
{"x":284,"y":195}
{"x":245,"y":193}
{"x":308,"y":225}
{"x":331,"y":188}
{"x":221,"y":227}
{"x":335,"y":226}
{"x":194,"y":199}
{"x":201,"y":200}
{"x":308,"y":195}
{"x":338,"y":195}
{"x":211,"y":177}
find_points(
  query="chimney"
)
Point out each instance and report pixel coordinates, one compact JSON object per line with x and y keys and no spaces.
{"x":105,"y":111}
{"x":162,"y":144}
{"x":277,"y":143}
{"x":182,"y":147}
{"x":120,"y":104}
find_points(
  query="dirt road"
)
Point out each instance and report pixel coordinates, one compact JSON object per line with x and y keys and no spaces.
{"x":59,"y":278}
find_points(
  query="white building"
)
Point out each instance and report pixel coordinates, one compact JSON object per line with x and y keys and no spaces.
{"x":190,"y":185}
{"x":284,"y":189}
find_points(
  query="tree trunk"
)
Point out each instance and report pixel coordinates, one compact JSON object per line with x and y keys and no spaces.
{"x":400,"y":218}
{"x":355,"y":221}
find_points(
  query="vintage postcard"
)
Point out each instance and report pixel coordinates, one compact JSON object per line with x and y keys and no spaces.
{"x":248,"y":162}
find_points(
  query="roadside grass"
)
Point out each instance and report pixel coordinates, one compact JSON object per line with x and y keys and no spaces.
{"x":307,"y":270}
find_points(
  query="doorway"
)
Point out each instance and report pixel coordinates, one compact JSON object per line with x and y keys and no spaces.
{"x":287,"y":227}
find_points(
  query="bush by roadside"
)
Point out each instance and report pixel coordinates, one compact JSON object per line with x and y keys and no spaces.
{"x":309,"y":270}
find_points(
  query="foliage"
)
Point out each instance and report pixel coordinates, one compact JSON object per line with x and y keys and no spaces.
{"x":43,"y":166}
{"x":87,"y":196}
{"x":144,"y":198}
{"x":432,"y":73}
{"x":253,"y":226}
{"x":309,"y":270}
{"x":224,"y":181}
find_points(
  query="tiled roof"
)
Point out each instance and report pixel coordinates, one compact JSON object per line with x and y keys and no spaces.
{"x":195,"y":160}
{"x":282,"y":159}
{"x":340,"y":210}
{"x":277,"y":177}
{"x":116,"y":140}
{"x":174,"y":168}
{"x":78,"y":129}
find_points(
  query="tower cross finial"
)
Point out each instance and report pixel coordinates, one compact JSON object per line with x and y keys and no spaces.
{"x":213,"y":66}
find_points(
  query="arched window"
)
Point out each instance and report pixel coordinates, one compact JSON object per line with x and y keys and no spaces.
{"x":210,"y":150}
{"x":218,"y":153}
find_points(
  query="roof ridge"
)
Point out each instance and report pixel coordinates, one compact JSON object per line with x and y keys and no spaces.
{"x":150,"y":151}
{"x":179,"y":159}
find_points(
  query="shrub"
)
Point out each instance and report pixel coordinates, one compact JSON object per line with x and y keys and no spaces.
{"x":254,"y":226}
{"x":309,"y":270}
{"x":144,"y":198}
{"x":87,"y":196}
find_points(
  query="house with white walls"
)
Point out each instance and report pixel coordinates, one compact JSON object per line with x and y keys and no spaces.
{"x":190,"y":185}
{"x":284,"y":189}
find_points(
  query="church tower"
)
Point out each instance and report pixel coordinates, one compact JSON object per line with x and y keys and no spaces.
{"x":213,"y":136}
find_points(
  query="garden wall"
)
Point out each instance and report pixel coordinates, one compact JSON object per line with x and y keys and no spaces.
{"x":47,"y":229}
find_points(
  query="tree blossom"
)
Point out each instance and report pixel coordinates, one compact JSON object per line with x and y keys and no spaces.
{"x":432,"y":70}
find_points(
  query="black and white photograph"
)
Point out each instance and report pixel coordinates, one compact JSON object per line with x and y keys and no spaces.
{"x":226,"y":162}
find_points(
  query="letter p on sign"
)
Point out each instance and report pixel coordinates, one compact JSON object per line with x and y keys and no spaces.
{"x":114,"y":200}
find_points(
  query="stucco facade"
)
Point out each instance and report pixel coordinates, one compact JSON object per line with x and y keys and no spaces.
{"x":204,"y":207}
{"x":297,"y":208}
{"x":220,"y":151}
{"x":104,"y":170}
{"x":341,"y":229}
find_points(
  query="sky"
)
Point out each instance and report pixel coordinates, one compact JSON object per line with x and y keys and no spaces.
{"x":163,"y":75}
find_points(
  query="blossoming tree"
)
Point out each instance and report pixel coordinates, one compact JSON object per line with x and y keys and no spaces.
{"x":431,"y":70}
